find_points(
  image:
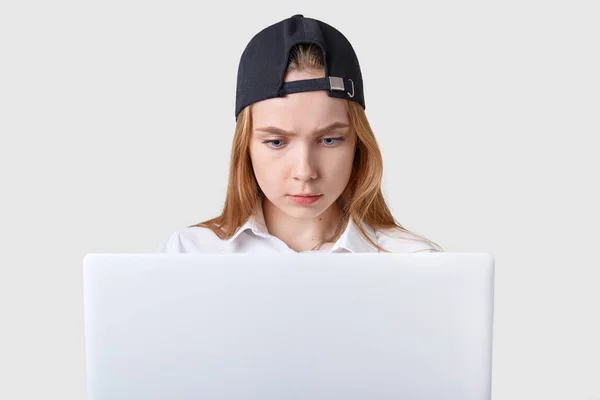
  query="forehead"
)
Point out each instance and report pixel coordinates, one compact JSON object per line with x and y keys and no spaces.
{"x":300,"y":111}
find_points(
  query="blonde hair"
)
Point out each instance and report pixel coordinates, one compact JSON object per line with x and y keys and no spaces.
{"x":361,"y":200}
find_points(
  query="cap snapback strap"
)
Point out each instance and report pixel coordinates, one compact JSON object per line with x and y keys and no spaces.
{"x":327,"y":83}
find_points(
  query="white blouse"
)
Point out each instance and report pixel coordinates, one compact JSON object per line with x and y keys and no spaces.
{"x":253,"y":237}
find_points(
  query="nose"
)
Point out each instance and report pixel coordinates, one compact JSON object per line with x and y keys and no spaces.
{"x":305,"y":167}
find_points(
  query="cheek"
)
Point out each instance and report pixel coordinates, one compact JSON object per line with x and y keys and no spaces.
{"x":341,"y":166}
{"x":267,"y":169}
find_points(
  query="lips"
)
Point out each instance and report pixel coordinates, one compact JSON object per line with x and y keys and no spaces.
{"x":304,"y":199}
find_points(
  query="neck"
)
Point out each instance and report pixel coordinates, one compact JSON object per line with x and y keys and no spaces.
{"x":301,"y":234}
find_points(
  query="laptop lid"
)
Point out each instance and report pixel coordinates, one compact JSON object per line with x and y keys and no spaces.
{"x":300,"y":326}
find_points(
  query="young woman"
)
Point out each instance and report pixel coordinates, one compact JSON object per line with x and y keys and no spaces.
{"x":305,"y":171}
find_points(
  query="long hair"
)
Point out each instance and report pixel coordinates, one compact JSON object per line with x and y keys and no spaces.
{"x":361,"y":200}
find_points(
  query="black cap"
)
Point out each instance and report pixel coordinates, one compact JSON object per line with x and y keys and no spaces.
{"x":265,"y":59}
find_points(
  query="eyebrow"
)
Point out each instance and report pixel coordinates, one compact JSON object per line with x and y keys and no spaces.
{"x":329,"y":128}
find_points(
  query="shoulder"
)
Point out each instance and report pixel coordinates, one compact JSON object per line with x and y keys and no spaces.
{"x":193,"y":239}
{"x":399,"y":241}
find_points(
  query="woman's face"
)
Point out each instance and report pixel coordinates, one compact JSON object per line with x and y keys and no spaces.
{"x":302,"y":144}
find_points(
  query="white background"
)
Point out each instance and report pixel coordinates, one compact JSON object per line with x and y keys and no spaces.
{"x":116,"y":120}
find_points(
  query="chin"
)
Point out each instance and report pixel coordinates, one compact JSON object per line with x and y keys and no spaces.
{"x":301,"y":212}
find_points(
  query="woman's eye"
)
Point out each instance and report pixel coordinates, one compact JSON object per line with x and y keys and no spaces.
{"x":274,"y":143}
{"x":332,"y":141}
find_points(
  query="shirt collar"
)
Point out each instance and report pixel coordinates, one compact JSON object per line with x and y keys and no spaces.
{"x":351,"y":239}
{"x":256,"y":223}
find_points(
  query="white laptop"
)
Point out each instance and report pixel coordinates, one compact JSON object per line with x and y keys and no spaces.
{"x":292,"y":326}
